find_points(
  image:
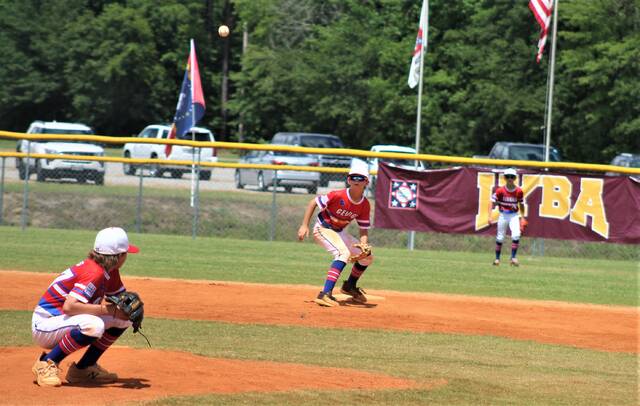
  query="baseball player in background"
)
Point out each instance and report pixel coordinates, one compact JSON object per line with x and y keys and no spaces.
{"x":337,"y":209}
{"x":509,"y":199}
{"x":71,"y":314}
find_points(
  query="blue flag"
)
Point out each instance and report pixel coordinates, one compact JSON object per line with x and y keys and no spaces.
{"x":190,"y":108}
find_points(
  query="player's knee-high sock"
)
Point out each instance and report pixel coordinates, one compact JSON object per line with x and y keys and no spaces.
{"x":333,"y":275}
{"x":498,"y":249}
{"x":514,"y":248}
{"x":356,"y":273}
{"x":98,"y":347}
{"x":70,"y":342}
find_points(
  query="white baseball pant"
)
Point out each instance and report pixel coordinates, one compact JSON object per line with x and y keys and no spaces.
{"x":339,"y":244}
{"x":48,"y":331}
{"x":508,"y":219}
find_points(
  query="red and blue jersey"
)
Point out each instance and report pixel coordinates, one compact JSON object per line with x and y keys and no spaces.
{"x":337,"y":210}
{"x":507,"y":200}
{"x":87,"y":282}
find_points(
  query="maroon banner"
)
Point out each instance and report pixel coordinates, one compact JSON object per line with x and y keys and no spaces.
{"x":557,"y":205}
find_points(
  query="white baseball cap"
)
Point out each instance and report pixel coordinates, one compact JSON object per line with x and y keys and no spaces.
{"x":359,"y":167}
{"x":113,"y":241}
{"x":510,"y":171}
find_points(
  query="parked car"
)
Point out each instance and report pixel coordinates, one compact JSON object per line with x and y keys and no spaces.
{"x":314,"y":140}
{"x":60,"y":168}
{"x":626,"y":160}
{"x":178,"y":152}
{"x":288,"y":179}
{"x":401,"y":163}
{"x":523,"y":152}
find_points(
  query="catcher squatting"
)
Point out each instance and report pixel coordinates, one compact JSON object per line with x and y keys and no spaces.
{"x":71,"y":314}
{"x":337,"y":209}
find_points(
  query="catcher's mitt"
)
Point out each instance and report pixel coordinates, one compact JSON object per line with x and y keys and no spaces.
{"x":131,"y":305}
{"x":523,"y":225}
{"x":365,"y":251}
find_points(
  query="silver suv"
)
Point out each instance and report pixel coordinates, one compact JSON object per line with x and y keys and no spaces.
{"x":178,"y":152}
{"x":288,"y":179}
{"x":60,"y":168}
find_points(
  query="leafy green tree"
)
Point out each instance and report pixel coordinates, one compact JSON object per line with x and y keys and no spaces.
{"x":32,"y":83}
{"x":110,"y":80}
{"x":335,"y":72}
{"x":598,"y":88}
{"x":337,"y":66}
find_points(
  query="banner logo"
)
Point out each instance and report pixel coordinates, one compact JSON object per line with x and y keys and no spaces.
{"x":403,"y":195}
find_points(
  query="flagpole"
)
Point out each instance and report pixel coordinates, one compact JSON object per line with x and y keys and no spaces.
{"x":423,"y":51}
{"x":539,"y":242}
{"x":193,"y":123}
{"x":550,"y":80}
{"x":425,"y":35}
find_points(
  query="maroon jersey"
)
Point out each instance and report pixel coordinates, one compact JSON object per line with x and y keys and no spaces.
{"x":507,"y":200}
{"x":337,"y":210}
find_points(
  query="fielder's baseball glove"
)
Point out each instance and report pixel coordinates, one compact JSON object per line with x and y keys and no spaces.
{"x":523,"y":225}
{"x":365,"y":251}
{"x":131,"y":305}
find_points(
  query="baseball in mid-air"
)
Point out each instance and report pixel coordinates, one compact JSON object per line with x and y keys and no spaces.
{"x":223,"y":31}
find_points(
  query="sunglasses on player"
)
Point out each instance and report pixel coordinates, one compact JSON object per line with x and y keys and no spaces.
{"x":357,"y":178}
{"x":510,"y":176}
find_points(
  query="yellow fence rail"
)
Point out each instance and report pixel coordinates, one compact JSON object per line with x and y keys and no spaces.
{"x":271,"y":147}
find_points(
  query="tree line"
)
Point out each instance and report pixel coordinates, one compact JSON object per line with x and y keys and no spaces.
{"x":332,"y":66}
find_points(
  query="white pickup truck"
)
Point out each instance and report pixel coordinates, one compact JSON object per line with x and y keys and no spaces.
{"x":60,"y":168}
{"x":178,"y":152}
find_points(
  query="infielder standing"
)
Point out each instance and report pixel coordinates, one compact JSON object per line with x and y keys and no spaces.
{"x":509,"y":199}
{"x":337,"y":209}
{"x":71,"y":314}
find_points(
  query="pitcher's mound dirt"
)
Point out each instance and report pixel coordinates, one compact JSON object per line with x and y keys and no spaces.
{"x":156,"y":374}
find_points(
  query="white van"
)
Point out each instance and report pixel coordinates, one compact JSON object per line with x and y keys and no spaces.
{"x":401,"y":163}
{"x":178,"y":152}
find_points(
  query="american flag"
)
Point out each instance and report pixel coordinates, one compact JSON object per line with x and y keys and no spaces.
{"x":542,"y":12}
{"x":418,"y":51}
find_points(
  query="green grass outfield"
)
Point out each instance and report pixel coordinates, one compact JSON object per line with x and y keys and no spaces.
{"x":478,"y":369}
{"x":544,"y":278}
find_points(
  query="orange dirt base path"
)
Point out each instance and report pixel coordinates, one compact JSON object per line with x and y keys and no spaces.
{"x":156,"y":374}
{"x":608,"y":328}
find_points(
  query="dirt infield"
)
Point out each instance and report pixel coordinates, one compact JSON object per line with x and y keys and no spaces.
{"x":605,"y":328}
{"x":157,"y":374}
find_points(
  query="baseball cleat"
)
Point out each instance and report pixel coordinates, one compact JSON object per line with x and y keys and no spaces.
{"x":515,"y":262}
{"x":326,"y":300}
{"x":46,"y":373}
{"x":93,"y":374}
{"x":356,"y":293}
{"x":496,"y":262}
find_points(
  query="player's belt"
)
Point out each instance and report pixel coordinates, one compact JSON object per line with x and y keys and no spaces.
{"x":327,"y":225}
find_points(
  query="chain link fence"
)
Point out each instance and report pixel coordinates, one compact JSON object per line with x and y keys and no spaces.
{"x":222,"y":202}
